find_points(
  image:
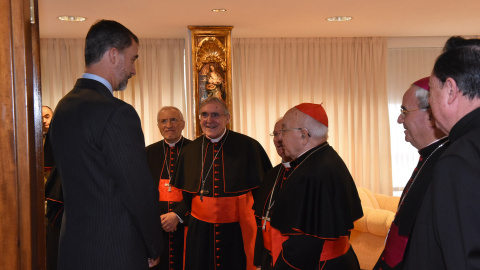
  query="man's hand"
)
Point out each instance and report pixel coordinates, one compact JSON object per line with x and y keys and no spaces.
{"x":153,"y":262}
{"x":169,"y":221}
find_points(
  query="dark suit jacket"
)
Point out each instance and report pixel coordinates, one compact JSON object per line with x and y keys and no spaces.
{"x":111,"y":215}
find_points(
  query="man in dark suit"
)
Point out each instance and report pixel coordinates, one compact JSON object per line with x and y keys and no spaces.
{"x":111,"y":215}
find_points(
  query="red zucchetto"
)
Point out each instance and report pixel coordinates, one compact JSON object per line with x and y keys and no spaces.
{"x":423,"y":83}
{"x":315,"y":111}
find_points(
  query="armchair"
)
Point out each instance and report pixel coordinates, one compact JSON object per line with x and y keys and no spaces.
{"x":368,"y":236}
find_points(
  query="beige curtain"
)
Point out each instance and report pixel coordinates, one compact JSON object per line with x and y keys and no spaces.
{"x":159,"y":80}
{"x":62,"y":61}
{"x":405,"y":66}
{"x":347,"y":75}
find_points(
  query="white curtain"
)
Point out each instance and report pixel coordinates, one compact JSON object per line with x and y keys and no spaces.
{"x":62,"y":61}
{"x":159,"y":80}
{"x":347,"y":75}
{"x":405,"y":66}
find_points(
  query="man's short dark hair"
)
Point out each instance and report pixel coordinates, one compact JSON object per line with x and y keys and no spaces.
{"x":460,"y":61}
{"x":104,"y":35}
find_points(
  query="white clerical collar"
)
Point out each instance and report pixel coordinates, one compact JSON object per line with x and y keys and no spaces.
{"x":286,"y":164}
{"x":433,"y":143}
{"x":98,"y":79}
{"x":173,"y":144}
{"x":217,"y":139}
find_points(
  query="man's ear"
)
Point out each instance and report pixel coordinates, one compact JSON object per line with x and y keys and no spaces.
{"x":453,"y":91}
{"x":228,"y":118}
{"x":305,"y":137}
{"x":113,"y":55}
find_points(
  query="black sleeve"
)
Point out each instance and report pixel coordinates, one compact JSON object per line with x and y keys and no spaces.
{"x":183,"y":209}
{"x":456,"y":189}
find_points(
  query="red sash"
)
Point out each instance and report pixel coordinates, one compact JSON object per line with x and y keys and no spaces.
{"x":394,"y":247}
{"x":227,"y":210}
{"x":174,"y":195}
{"x":332,"y":248}
{"x":273,"y":240}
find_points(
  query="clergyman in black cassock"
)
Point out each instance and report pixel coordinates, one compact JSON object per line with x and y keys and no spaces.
{"x":264,"y":199}
{"x":405,"y":244}
{"x":314,"y":211}
{"x":217,"y":173}
{"x":455,"y":192}
{"x":162,"y":159}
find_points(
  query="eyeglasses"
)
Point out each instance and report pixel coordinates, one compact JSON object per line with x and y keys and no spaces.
{"x":213,"y":115}
{"x":404,"y":112}
{"x":285,"y":130}
{"x":163,"y":122}
{"x":275,"y":134}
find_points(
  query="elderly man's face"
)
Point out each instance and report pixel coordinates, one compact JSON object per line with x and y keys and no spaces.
{"x":277,"y":140}
{"x":125,"y":67}
{"x":46,"y":118}
{"x":170,"y":124}
{"x":213,"y":119}
{"x":416,"y":122}
{"x":438,"y":102}
{"x":291,"y":137}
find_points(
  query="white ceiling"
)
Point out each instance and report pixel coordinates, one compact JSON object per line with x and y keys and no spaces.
{"x":267,"y":18}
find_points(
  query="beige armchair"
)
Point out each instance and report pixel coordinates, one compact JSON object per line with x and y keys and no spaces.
{"x":368,"y":236}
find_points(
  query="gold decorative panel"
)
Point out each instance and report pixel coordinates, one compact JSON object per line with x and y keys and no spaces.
{"x":212,"y":65}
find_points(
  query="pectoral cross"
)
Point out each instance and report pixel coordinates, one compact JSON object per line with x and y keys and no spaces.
{"x":201,"y":194}
{"x":265,"y":218}
{"x":169,"y":187}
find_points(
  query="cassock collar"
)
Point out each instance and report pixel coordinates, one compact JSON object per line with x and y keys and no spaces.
{"x":304,"y":155}
{"x":468,"y":123}
{"x":427,"y":150}
{"x":217,"y":139}
{"x":173,"y":144}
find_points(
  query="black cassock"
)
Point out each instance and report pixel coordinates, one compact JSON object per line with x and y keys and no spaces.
{"x":162,"y":161}
{"x":232,"y":168}
{"x":314,"y":211}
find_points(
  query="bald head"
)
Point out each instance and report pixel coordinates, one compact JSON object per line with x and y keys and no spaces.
{"x":47,"y":114}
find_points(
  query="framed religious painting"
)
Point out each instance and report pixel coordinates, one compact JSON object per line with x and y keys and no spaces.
{"x":211,"y":66}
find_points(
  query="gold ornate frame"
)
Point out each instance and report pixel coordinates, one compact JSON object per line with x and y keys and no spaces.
{"x":211,"y":66}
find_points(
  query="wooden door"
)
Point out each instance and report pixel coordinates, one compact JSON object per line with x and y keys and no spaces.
{"x":22,"y":237}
